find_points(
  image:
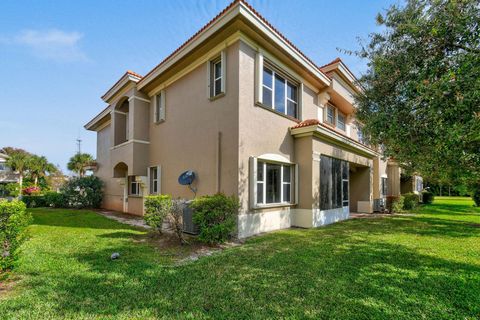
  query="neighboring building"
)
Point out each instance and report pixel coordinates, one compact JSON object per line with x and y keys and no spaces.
{"x":252,"y":116}
{"x":6,"y":174}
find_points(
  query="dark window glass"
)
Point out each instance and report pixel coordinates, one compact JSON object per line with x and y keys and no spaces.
{"x":218,"y":86}
{"x":260,"y":192}
{"x":286,"y":173}
{"x":286,"y":193}
{"x":279,"y":94}
{"x":341,"y":122}
{"x":291,"y":109}
{"x":273,"y":183}
{"x":330,"y":115}
{"x":218,"y":69}
{"x":260,"y":166}
{"x":333,"y":183}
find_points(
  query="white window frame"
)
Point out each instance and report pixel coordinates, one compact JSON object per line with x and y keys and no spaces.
{"x":131,"y":181}
{"x":211,"y":79}
{"x":155,"y":181}
{"x":288,"y":80}
{"x":330,"y":107}
{"x":159,"y":107}
{"x":254,"y":163}
{"x":340,"y":114}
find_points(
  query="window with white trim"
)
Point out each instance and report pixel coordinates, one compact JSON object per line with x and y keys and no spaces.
{"x":274,"y":183}
{"x":159,"y":107}
{"x":154,"y":180}
{"x":279,"y":93}
{"x":341,"y":119}
{"x":133,"y":186}
{"x":216,"y":75}
{"x":330,"y":114}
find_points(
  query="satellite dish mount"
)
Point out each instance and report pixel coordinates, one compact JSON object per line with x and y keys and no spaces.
{"x":186,"y":179}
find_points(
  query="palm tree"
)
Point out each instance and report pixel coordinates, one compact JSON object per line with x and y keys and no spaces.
{"x":38,"y":167}
{"x":79,"y":162}
{"x":18,"y":160}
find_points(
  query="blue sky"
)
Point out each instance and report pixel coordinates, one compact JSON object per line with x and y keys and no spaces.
{"x":58,"y":57}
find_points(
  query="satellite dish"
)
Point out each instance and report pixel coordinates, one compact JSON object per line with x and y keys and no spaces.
{"x":186,"y":178}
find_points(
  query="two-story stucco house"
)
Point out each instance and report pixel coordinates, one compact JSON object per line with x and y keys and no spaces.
{"x":252,"y":116}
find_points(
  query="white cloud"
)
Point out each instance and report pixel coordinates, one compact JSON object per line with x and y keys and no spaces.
{"x":51,"y":44}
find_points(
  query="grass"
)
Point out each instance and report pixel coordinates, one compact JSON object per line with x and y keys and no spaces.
{"x":401,"y":267}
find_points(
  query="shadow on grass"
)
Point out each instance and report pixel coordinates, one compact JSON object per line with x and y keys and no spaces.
{"x":324,"y":273}
{"x":72,"y":218}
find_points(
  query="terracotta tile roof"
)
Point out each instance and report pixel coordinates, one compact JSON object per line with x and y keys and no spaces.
{"x":307,"y":123}
{"x":337,"y":59}
{"x":218,"y":17}
{"x":134,"y":74}
{"x":316,"y":122}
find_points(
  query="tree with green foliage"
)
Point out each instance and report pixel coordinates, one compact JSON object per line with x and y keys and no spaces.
{"x":38,"y":167}
{"x":79,"y":162}
{"x":421,"y":92}
{"x":18,"y":160}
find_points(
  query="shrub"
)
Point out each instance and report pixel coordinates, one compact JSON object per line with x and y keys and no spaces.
{"x":83,"y":192}
{"x":394,"y":204}
{"x":34,"y":201}
{"x":410,"y":201}
{"x":176,"y":219}
{"x":476,"y":194}
{"x":157,"y":209}
{"x":10,"y":189}
{"x":14,"y":218}
{"x":427,"y":197}
{"x":55,"y":199}
{"x":216,"y":217}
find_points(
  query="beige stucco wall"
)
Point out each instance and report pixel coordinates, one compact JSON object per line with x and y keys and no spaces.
{"x":261,"y":131}
{"x":113,"y":191}
{"x":189,"y":136}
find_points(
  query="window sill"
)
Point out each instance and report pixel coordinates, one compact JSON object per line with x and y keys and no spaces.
{"x":272,"y":205}
{"x":135,"y":196}
{"x":159,"y":122}
{"x":218,"y":96}
{"x":261,"y":105}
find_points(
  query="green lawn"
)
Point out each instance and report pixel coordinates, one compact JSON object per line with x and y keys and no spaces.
{"x":403,"y":267}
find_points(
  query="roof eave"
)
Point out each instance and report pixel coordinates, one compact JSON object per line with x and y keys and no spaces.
{"x":123,"y":81}
{"x":91,"y":125}
{"x":239,"y":8}
{"x":332,"y":136}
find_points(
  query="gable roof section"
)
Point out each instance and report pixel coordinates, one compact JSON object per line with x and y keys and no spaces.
{"x":337,"y":65}
{"x":127,"y":77}
{"x":234,"y":9}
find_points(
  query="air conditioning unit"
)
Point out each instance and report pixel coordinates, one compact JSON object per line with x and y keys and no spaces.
{"x":379,"y":205}
{"x":188,"y":225}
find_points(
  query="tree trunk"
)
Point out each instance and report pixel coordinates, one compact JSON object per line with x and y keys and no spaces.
{"x":449,"y":193}
{"x":20,"y":184}
{"x":35,"y":181}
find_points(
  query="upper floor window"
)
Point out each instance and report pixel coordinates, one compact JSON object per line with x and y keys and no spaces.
{"x":330,"y":118}
{"x":341,"y":122}
{"x":3,"y":166}
{"x":279,"y":93}
{"x":216,"y":75}
{"x":159,"y":107}
{"x":360,"y":136}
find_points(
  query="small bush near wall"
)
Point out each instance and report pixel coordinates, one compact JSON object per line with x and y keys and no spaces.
{"x":216,"y":217}
{"x":83,"y":192}
{"x":394,"y":204}
{"x":427,"y":197}
{"x":34,"y":201}
{"x":13,"y":220}
{"x":157,"y":209}
{"x":410,"y":201}
{"x":55,"y":199}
